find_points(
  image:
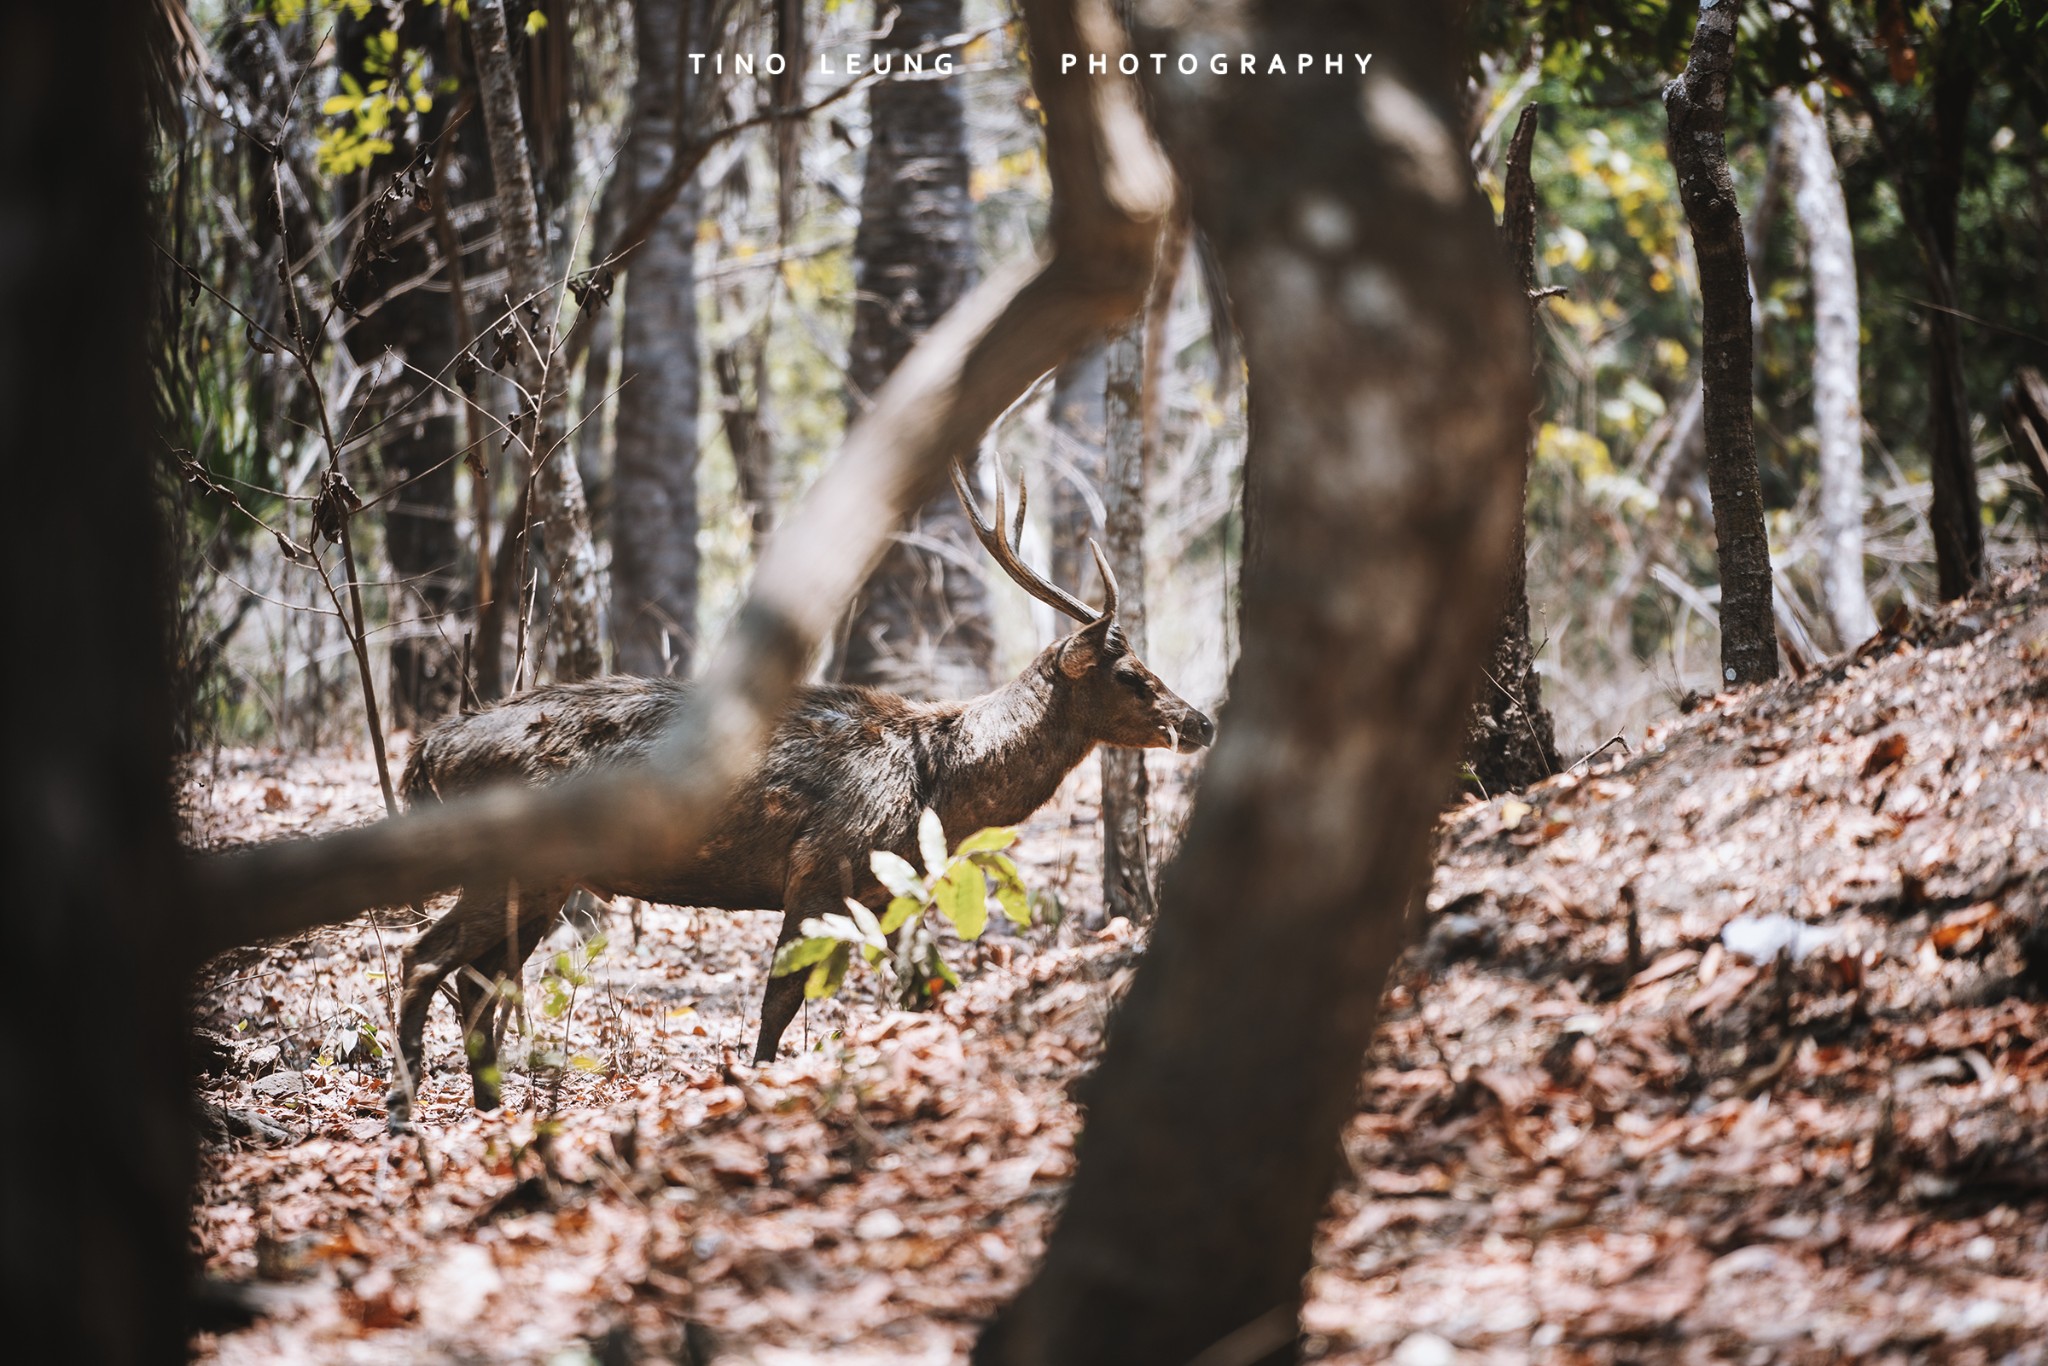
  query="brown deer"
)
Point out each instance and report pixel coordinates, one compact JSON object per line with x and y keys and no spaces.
{"x":848,"y":771}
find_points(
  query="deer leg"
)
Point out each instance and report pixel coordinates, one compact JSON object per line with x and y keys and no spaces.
{"x":476,"y":920}
{"x":784,"y":995}
{"x":478,"y":1013}
{"x":479,"y":991}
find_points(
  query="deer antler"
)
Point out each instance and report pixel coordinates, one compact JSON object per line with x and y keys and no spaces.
{"x":1003,"y":550}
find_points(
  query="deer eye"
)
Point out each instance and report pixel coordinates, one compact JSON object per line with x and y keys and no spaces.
{"x":1134,"y":680}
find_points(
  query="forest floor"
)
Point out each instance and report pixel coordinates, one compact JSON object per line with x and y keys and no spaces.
{"x":1731,"y":1048}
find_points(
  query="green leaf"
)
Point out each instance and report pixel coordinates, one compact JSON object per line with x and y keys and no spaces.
{"x":799,"y":954}
{"x":870,"y":929}
{"x":898,"y":911}
{"x":987,"y":841}
{"x":931,"y":842}
{"x":827,"y":975}
{"x":943,"y":970}
{"x":895,"y":873}
{"x":1009,"y":884}
{"x":836,"y":927}
{"x":962,"y":896}
{"x":535,"y":22}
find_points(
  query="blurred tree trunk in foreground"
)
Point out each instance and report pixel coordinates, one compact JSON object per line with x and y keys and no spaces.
{"x":1511,"y":744}
{"x":96,"y":1237}
{"x":922,"y":624}
{"x":1389,"y":362}
{"x":1696,"y":105}
{"x":654,"y":479}
{"x":1837,"y":351}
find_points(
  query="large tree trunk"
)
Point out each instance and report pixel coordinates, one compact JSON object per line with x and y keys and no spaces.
{"x":1512,"y":744}
{"x":1126,"y":846}
{"x":1956,"y":517}
{"x":1696,"y":105}
{"x":922,"y":625}
{"x":1074,"y":491}
{"x":543,"y":373}
{"x":95,"y":1243}
{"x":1389,"y":362}
{"x":654,"y":480}
{"x":1837,"y":382}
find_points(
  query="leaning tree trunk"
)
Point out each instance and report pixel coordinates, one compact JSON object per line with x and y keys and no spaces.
{"x":1512,"y":744}
{"x":1074,"y":488}
{"x":1389,"y":363}
{"x":922,"y":625}
{"x":552,"y":475}
{"x":1696,"y":105}
{"x":1955,"y":515}
{"x":654,"y":479}
{"x":1837,"y":384}
{"x":95,"y":1245}
{"x":1126,"y":847}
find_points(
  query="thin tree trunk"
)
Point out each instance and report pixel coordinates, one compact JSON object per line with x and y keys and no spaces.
{"x":1075,"y":490}
{"x":1126,"y":848}
{"x":417,"y":450}
{"x":922,"y":625}
{"x":1696,"y":105}
{"x":557,"y":487}
{"x":598,"y":361}
{"x":1512,"y":745}
{"x":1837,"y":384}
{"x":1956,"y":514}
{"x":1389,"y":362}
{"x":95,"y":1245}
{"x":654,"y":480}
{"x":746,"y":434}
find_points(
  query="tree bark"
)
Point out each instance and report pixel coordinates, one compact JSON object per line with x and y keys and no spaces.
{"x":746,"y":433}
{"x":417,"y":449}
{"x":1126,"y":846}
{"x":95,"y":1242}
{"x":1512,"y":745}
{"x":1837,"y":383}
{"x":1074,"y":493}
{"x":922,"y":625}
{"x":1696,"y":106}
{"x":654,"y":480}
{"x":543,"y":374}
{"x":1956,"y":513}
{"x":1389,"y":363}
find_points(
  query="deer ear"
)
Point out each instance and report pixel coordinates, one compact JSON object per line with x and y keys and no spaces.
{"x":1081,"y":652}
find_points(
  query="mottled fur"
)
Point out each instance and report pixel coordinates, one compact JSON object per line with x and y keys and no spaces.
{"x":847,"y":772}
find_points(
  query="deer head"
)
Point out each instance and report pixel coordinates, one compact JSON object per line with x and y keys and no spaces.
{"x":1113,"y":696}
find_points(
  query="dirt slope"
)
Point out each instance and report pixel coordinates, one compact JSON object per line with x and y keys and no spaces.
{"x":1592,"y":1129}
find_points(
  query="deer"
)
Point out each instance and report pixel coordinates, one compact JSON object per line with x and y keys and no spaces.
{"x":848,"y":770}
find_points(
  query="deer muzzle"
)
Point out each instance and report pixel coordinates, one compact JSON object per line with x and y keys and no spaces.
{"x":1190,"y":732}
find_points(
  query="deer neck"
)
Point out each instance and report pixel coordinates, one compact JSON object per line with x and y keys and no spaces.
{"x":1010,"y":750}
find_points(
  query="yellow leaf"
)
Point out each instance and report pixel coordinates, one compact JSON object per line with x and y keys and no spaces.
{"x":1513,"y":813}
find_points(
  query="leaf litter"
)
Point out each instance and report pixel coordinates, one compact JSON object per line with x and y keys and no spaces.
{"x":1733,"y":1049}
